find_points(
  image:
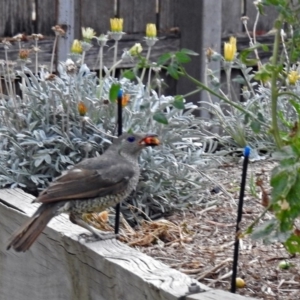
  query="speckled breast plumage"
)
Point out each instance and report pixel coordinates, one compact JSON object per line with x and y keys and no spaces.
{"x":99,"y":204}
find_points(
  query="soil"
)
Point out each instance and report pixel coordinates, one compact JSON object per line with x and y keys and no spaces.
{"x":200,"y":241}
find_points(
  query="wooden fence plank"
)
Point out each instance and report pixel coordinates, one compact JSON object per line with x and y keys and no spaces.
{"x":231,"y":17}
{"x":96,"y":14}
{"x":265,"y":22}
{"x":167,"y":15}
{"x":46,"y":16}
{"x":126,"y":11}
{"x":66,"y":16}
{"x":205,"y":19}
{"x":15,"y":17}
{"x":137,"y":14}
{"x":144,"y":12}
{"x":188,"y":15}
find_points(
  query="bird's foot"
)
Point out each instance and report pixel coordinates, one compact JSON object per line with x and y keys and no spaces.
{"x":97,"y":236}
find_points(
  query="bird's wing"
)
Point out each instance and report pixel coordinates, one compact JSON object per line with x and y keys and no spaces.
{"x":96,"y":180}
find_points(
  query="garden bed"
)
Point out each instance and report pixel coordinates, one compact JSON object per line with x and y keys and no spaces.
{"x":199,"y":242}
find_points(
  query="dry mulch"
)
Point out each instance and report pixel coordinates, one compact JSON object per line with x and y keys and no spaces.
{"x":199,"y":242}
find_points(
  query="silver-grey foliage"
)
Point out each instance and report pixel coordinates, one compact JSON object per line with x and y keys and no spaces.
{"x":43,"y":134}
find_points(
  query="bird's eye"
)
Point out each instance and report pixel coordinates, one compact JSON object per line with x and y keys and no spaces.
{"x":131,"y":139}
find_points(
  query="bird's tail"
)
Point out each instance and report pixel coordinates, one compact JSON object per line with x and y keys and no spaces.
{"x":23,"y":238}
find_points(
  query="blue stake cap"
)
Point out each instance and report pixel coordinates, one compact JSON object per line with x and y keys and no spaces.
{"x":247,"y":151}
{"x":120,"y":94}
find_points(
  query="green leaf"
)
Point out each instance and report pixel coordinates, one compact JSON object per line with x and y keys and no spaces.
{"x":182,"y":58}
{"x":246,"y":52}
{"x":163,"y":59}
{"x":130,"y":130}
{"x":178,"y":102}
{"x":255,"y":126}
{"x":296,"y":105}
{"x":113,"y":92}
{"x":173,"y":71}
{"x":260,"y":117}
{"x":293,"y":244}
{"x":263,"y":74}
{"x":239,"y":79}
{"x":264,"y":230}
{"x":189,"y":52}
{"x":247,"y":118}
{"x":129,"y":74}
{"x":282,"y":180}
{"x":265,"y":47}
{"x":160,"y":118}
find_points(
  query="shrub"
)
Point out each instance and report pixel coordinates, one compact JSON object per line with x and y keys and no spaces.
{"x":60,"y":120}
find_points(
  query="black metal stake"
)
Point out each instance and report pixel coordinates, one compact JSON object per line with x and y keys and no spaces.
{"x":239,"y":219}
{"x":120,"y":129}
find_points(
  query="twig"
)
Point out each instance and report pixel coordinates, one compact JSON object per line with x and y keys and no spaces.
{"x":214,"y":269}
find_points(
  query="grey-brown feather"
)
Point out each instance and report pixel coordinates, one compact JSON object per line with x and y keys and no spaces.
{"x":91,"y":186}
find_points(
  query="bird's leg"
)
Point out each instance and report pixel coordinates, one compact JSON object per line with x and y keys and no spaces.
{"x":75,"y":219}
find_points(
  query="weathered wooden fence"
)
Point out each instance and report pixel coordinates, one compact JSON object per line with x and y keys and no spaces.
{"x":188,"y":24}
{"x":38,"y":16}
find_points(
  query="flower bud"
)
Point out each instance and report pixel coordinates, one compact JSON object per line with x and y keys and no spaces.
{"x":136,"y":49}
{"x":151,"y":31}
{"x":116,"y":25}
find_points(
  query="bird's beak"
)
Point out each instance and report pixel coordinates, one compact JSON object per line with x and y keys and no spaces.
{"x":150,"y":140}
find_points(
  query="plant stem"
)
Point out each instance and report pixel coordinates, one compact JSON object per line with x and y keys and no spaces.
{"x":193,"y":93}
{"x":274,"y":89}
{"x":53,"y":52}
{"x":23,"y":81}
{"x":114,"y":67}
{"x":205,"y":79}
{"x":149,"y":80}
{"x":9,"y":79}
{"x":288,"y":94}
{"x":83,"y":57}
{"x":100,"y":63}
{"x":36,"y":57}
{"x":100,"y":70}
{"x":115,"y":58}
{"x":255,"y":222}
{"x":147,"y":58}
{"x":224,"y":98}
{"x":228,"y":77}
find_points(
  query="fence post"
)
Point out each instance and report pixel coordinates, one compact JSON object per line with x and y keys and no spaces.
{"x":200,"y":28}
{"x":66,"y":18}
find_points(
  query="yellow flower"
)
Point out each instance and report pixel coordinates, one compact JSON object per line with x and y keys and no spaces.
{"x":88,"y":33}
{"x":136,"y":49}
{"x":76,"y":47}
{"x":232,"y":41}
{"x":116,"y":25}
{"x":151,"y":30}
{"x":293,"y":76}
{"x":82,"y":109}
{"x":230,"y":49}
